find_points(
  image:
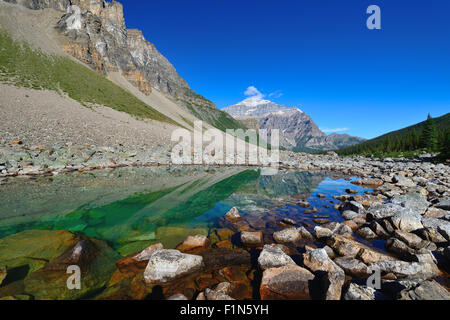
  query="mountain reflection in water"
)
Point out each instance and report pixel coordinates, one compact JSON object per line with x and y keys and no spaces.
{"x":131,"y":208}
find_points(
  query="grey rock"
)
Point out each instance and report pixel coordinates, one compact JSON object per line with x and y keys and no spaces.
{"x":403,"y":182}
{"x":366,"y":233}
{"x":318,"y":261}
{"x":407,"y":220}
{"x":168,"y":265}
{"x":216,"y":296}
{"x":352,"y":266}
{"x":273,"y":257}
{"x":414,"y":201}
{"x":290,"y":235}
{"x":349,"y":215}
{"x":406,"y":269}
{"x":427,"y":290}
{"x":178,"y":297}
{"x":357,"y":292}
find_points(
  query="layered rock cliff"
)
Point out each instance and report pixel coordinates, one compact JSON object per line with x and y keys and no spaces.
{"x":97,"y":36}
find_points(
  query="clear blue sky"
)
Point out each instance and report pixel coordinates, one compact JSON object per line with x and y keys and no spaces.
{"x":314,"y":54}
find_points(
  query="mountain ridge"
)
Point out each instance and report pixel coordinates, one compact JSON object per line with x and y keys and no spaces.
{"x":298,"y":131}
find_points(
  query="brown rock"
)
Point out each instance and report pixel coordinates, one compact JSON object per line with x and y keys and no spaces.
{"x":137,"y":262}
{"x":252,"y":239}
{"x":194,"y":244}
{"x":286,"y":283}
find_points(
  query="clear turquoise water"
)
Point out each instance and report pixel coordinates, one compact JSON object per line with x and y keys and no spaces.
{"x":132,"y":208}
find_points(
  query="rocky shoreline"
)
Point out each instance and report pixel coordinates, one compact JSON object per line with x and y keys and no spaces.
{"x":407,"y":211}
{"x":17,"y":159}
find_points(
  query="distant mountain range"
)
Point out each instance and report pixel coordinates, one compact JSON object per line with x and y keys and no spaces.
{"x":298,"y":131}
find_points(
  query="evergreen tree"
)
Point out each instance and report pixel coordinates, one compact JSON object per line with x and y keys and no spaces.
{"x":445,"y":146}
{"x":429,"y":139}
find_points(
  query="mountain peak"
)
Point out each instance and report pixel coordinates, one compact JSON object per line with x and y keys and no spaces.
{"x":258,"y":107}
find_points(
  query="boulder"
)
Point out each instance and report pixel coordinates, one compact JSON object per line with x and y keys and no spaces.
{"x":305,"y":234}
{"x":322,"y":233}
{"x":354,"y":206}
{"x":383,"y":210}
{"x":233,"y":214}
{"x":400,"y":249}
{"x":403,"y":181}
{"x":366,"y":233}
{"x":427,"y":290}
{"x":444,"y":204}
{"x":357,"y":292}
{"x":138,"y":261}
{"x":415,"y":201}
{"x":286,"y":283}
{"x":407,"y":221}
{"x":252,"y":239}
{"x":273,"y":257}
{"x":349,"y":215}
{"x":167,"y":265}
{"x":379,"y":230}
{"x":374,"y":182}
{"x":352,"y":266}
{"x":406,"y":269}
{"x":291,"y":235}
{"x":438,"y":225}
{"x":194,"y":244}
{"x":216,"y":296}
{"x":411,"y":239}
{"x":318,"y":261}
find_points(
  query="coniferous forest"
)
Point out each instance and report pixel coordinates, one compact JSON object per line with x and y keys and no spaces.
{"x":432,"y":135}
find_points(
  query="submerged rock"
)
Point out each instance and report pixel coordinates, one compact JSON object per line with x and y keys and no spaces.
{"x":137,"y":261}
{"x":3,"y":273}
{"x":233,"y":214}
{"x":95,"y":260}
{"x":34,"y":248}
{"x":252,"y":239}
{"x":222,"y":257}
{"x":286,"y":283}
{"x":273,"y":257}
{"x":194,"y":244}
{"x":168,"y":265}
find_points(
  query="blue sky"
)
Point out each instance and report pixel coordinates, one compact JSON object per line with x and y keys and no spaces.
{"x":314,"y":54}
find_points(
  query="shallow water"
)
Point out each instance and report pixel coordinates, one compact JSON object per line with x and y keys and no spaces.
{"x":131,"y":208}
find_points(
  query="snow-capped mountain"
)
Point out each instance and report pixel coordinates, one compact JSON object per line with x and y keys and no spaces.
{"x":297,"y":130}
{"x":256,"y":107}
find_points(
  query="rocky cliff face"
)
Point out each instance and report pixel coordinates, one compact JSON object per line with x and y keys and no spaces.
{"x":297,"y":130}
{"x":97,"y":36}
